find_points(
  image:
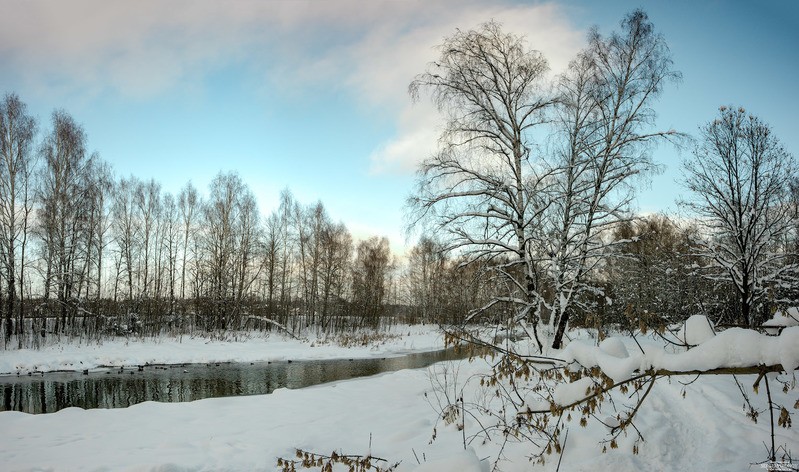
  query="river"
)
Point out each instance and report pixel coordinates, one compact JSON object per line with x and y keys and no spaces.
{"x":120,"y":388}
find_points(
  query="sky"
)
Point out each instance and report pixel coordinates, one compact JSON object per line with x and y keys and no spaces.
{"x":311,"y":95}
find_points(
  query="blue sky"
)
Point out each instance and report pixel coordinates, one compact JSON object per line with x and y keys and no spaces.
{"x":311,"y":94}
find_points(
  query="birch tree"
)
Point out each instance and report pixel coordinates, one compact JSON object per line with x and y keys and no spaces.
{"x":126,"y":231}
{"x":170,"y":243}
{"x":739,"y":180}
{"x":17,"y":162}
{"x":100,"y":185}
{"x":479,"y":188}
{"x":427,"y":266}
{"x":370,"y":273}
{"x":606,"y":122}
{"x":231,"y":240}
{"x":147,"y":199}
{"x":490,"y":192}
{"x":336,"y":254}
{"x":63,"y":197}
{"x":188,"y":204}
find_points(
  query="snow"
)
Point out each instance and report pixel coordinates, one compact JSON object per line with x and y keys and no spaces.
{"x":195,"y":350}
{"x":696,"y":330}
{"x":614,"y":347}
{"x":780,"y":319}
{"x":393,"y":415}
{"x":613,"y":365}
{"x":567,"y":393}
{"x":735,"y":347}
{"x":706,"y":430}
{"x":465,"y":461}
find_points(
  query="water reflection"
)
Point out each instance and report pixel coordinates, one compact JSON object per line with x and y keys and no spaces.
{"x":122,"y":388}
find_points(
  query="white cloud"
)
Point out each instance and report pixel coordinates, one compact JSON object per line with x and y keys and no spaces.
{"x":392,"y":57}
{"x":371,"y":50}
{"x":418,"y":129}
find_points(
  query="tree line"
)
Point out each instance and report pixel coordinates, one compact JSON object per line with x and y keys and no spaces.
{"x":86,"y":253}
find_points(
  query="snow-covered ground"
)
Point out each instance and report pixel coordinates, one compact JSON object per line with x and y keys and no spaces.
{"x":706,"y":430}
{"x":241,"y":347}
{"x":697,"y":425}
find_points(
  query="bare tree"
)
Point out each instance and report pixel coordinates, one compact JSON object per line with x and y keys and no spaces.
{"x":63,"y":196}
{"x":288,"y":207}
{"x":188,"y":203}
{"x":126,"y":229}
{"x":232,"y":236}
{"x":249,"y":245}
{"x":100,"y":186}
{"x":370,"y":280}
{"x":479,"y":188}
{"x":739,"y":182}
{"x":310,"y":223}
{"x":427,"y":267}
{"x":148,"y":205}
{"x":17,"y":162}
{"x":336,"y":255}
{"x":606,"y":120}
{"x":493,"y":197}
{"x":648,"y":276}
{"x":170,"y":242}
{"x":272,"y":244}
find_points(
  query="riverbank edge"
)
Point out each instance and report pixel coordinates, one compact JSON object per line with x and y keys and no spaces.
{"x":243,"y":347}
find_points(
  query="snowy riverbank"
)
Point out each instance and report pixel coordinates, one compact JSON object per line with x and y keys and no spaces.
{"x":687,"y":423}
{"x":706,"y":430}
{"x":244,"y":347}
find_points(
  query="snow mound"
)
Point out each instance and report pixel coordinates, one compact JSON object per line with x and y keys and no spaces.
{"x":780,"y":319}
{"x":696,"y":330}
{"x":734,"y":347}
{"x":614,"y":347}
{"x":608,"y":357}
{"x":568,"y":393}
{"x":788,"y":347}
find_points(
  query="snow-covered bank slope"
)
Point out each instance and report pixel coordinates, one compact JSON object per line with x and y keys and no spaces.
{"x":186,"y":350}
{"x":706,"y":430}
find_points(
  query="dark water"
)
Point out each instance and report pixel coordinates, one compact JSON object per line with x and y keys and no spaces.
{"x":118,"y":389}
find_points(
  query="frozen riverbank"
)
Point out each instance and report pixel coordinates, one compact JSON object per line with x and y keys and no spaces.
{"x":244,"y":347}
{"x":696,"y":425}
{"x":706,"y":430}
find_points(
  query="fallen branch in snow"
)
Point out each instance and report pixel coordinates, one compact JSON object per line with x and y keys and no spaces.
{"x":760,"y":370}
{"x":311,"y":460}
{"x":532,"y":398}
{"x":609,"y":385}
{"x":457,"y":337}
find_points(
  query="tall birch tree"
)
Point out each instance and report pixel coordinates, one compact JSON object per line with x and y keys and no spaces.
{"x":17,"y":162}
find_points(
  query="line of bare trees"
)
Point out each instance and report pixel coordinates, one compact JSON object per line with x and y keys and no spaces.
{"x":85,"y":253}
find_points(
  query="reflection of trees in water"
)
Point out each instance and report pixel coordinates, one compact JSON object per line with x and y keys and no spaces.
{"x":118,"y":389}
